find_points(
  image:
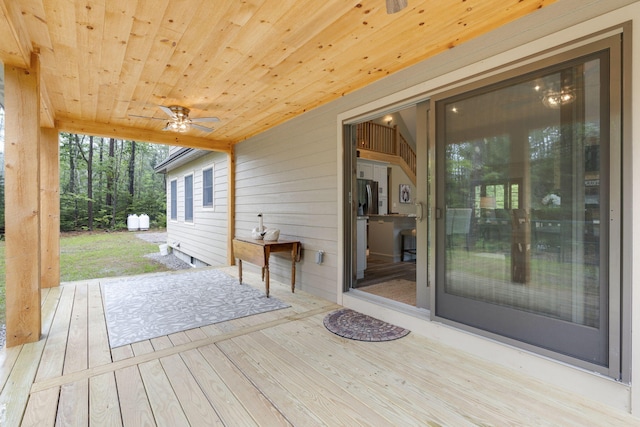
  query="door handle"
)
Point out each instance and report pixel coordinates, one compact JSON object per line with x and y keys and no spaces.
{"x":419,"y":212}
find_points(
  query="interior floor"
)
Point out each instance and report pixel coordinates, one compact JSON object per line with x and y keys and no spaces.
{"x":392,"y":280}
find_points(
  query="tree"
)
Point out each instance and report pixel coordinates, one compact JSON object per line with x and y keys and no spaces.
{"x":94,"y":192}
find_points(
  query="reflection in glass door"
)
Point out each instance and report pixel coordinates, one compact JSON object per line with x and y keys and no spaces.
{"x":523,"y":189}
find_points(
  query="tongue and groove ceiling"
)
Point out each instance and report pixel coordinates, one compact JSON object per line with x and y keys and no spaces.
{"x":252,"y":63}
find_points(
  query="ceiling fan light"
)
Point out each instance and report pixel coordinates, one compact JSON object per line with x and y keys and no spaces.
{"x":555,"y":100}
{"x":394,"y":6}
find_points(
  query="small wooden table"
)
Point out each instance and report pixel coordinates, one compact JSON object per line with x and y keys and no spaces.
{"x":257,"y":252}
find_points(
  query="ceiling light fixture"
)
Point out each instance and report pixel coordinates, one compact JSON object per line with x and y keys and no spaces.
{"x":553,"y":99}
{"x":394,"y":6}
{"x":179,"y":125}
{"x":179,"y":120}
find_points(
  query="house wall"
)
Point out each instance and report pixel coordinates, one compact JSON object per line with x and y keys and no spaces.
{"x":289,"y":175}
{"x":293,"y":174}
{"x":206,"y":238}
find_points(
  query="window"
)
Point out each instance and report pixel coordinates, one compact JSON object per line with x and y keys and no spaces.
{"x":188,"y":198}
{"x":174,"y":199}
{"x":531,"y":155}
{"x":207,"y":188}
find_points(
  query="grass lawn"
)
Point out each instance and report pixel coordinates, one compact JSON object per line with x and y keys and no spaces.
{"x":95,"y":255}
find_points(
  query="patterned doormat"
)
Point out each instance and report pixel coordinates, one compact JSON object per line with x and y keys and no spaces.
{"x":140,"y":308}
{"x":360,"y":327}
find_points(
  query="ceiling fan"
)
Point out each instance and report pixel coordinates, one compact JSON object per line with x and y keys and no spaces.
{"x":179,"y":120}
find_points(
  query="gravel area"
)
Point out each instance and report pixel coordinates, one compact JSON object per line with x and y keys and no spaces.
{"x":170,"y":260}
{"x":152,"y":237}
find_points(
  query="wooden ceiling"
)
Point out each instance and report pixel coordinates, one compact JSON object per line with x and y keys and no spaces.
{"x":252,"y":63}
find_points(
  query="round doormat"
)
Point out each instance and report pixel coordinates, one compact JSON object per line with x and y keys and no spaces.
{"x":357,"y":326}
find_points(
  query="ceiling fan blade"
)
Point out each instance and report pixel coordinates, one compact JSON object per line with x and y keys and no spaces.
{"x":202,"y":128}
{"x":394,"y":6}
{"x":168,"y":111}
{"x":205,"y":119}
{"x":147,"y":117}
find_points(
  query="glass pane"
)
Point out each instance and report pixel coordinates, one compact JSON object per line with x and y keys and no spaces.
{"x":188,"y":198}
{"x":174,"y":199}
{"x":522,"y":168}
{"x":207,"y":188}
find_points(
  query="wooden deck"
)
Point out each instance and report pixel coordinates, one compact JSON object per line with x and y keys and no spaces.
{"x":273,"y":369}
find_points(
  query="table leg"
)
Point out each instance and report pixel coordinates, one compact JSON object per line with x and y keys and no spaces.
{"x":266,"y":282}
{"x":240,"y":269}
{"x":293,"y":271}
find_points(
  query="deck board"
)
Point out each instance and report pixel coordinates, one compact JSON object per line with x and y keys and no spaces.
{"x":99,"y":350}
{"x":104,"y":409}
{"x":164,"y":402}
{"x":193,"y":400}
{"x":15,"y":393}
{"x":73,"y":404}
{"x":253,"y":399}
{"x":54,"y":350}
{"x":41,"y":408}
{"x":134,"y":403}
{"x":280,"y":368}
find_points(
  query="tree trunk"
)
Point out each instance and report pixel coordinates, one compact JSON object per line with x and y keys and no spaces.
{"x":90,"y":185}
{"x":72,"y":177}
{"x":110,"y":174}
{"x":132,"y":169}
{"x":116,"y":175}
{"x":99,"y":197}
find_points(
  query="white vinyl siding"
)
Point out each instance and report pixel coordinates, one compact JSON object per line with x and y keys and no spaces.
{"x":293,"y":185}
{"x":205,"y":238}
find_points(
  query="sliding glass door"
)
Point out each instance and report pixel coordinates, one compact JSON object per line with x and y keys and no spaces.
{"x":527,"y":199}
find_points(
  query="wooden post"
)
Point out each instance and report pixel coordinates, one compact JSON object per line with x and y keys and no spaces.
{"x":49,"y":208}
{"x":231,"y":204}
{"x":22,"y":202}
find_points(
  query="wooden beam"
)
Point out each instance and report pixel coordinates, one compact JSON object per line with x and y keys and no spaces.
{"x":46,"y":109}
{"x":134,"y":134}
{"x":49,"y":208}
{"x":22,"y":202}
{"x":15,"y":45}
{"x":231,"y":205}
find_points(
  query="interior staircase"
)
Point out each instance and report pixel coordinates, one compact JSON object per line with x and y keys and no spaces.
{"x":386,"y":144}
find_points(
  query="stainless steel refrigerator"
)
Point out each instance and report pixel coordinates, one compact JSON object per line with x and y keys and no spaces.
{"x":367,"y":197}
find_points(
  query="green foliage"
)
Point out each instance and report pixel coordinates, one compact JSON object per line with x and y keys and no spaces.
{"x":102,"y":254}
{"x":94,"y":255}
{"x":85,"y":160}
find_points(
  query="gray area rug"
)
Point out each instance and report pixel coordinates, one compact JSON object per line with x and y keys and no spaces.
{"x":141,"y":308}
